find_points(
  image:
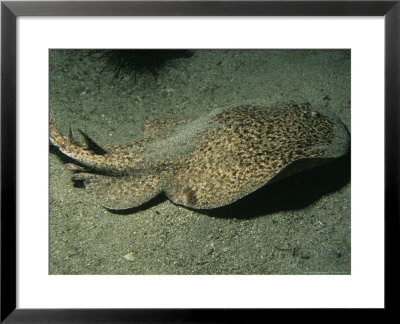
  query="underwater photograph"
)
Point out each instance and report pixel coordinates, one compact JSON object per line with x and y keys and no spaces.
{"x":199,"y":161}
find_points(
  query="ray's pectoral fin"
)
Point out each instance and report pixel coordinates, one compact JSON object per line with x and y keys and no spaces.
{"x":119,"y":193}
{"x":185,"y":196}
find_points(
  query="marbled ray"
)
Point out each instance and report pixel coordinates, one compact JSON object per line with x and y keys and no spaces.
{"x":207,"y":161}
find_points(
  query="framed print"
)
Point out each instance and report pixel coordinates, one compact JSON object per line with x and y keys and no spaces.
{"x":197,"y":155}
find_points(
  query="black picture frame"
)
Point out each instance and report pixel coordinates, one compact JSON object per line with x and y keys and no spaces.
{"x":11,"y":10}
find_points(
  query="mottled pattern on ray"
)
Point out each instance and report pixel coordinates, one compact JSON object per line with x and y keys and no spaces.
{"x":120,"y":192}
{"x":212,"y":160}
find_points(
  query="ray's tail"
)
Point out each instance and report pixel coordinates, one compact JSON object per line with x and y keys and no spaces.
{"x":90,"y":155}
{"x":56,"y":138}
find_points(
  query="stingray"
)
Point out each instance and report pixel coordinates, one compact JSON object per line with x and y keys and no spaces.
{"x":206,"y":161}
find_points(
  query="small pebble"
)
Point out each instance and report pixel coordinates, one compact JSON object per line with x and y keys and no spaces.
{"x":129,"y":256}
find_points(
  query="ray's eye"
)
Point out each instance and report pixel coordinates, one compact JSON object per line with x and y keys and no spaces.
{"x":315,"y":114}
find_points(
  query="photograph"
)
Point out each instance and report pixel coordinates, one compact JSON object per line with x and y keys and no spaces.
{"x":199,"y":161}
{"x":187,"y":161}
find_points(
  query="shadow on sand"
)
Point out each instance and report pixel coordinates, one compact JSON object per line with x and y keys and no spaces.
{"x":295,"y":192}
